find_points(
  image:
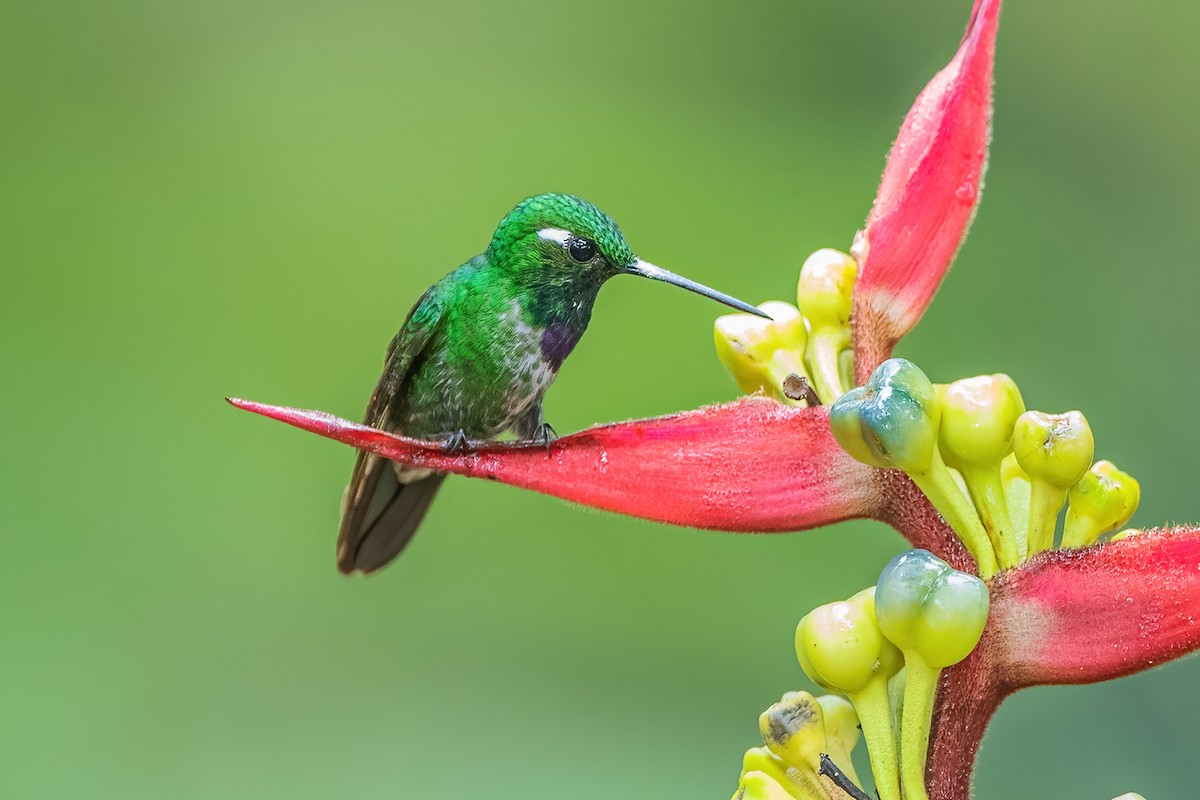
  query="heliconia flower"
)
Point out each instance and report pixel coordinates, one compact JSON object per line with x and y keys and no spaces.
{"x":759,"y":465}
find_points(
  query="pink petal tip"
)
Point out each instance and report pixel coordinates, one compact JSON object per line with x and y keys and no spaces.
{"x":927,"y":196}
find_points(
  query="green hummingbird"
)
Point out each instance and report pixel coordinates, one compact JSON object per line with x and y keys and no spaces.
{"x":477,"y":353}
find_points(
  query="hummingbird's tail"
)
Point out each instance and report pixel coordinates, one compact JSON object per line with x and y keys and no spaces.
{"x":381,"y":512}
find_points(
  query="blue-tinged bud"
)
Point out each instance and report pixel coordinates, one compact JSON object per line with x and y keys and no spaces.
{"x":935,"y":615}
{"x":926,"y":607}
{"x":892,"y":421}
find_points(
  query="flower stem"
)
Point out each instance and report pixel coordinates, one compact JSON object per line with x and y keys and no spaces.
{"x":1045,"y":501}
{"x":875,"y":719}
{"x":940,"y":487}
{"x":824,"y":361}
{"x":1079,"y":530}
{"x":1016,"y":497}
{"x":920,"y":686}
{"x":987,"y":493}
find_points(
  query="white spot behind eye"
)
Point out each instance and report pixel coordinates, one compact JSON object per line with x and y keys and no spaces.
{"x":554,"y":235}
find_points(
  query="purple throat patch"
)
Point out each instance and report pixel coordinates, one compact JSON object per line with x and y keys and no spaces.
{"x":558,"y":340}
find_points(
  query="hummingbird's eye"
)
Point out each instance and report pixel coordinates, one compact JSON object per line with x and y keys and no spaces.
{"x":582,"y":250}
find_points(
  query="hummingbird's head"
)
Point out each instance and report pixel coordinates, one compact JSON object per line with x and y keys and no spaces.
{"x":559,"y":238}
{"x":562,"y":242}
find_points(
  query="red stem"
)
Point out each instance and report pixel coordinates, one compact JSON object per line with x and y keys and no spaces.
{"x":969,"y":692}
{"x":912,"y":515}
{"x":968,"y":695}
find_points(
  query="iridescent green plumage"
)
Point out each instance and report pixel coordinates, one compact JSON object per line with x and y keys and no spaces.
{"x":477,"y":353}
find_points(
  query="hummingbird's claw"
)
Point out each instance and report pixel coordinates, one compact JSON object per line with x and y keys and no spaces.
{"x":544,"y":435}
{"x":457,"y":443}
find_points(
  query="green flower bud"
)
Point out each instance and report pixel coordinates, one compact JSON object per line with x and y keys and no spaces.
{"x":978,"y":415}
{"x":925,"y":606}
{"x":892,"y":421}
{"x":762,"y":353}
{"x":826,"y":288}
{"x":824,"y":296}
{"x":1055,"y":448}
{"x":935,"y":615}
{"x":1104,"y":499}
{"x":840,"y":647}
{"x":761,"y":786}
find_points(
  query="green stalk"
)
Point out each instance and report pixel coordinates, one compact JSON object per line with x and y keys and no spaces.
{"x":824,"y":362}
{"x":987,"y":493}
{"x":875,"y":719}
{"x":939,"y":486}
{"x":1045,"y":501}
{"x":920,"y":686}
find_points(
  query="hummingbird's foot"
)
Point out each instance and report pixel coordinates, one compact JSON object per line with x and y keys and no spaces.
{"x":543,"y":435}
{"x":457,"y":443}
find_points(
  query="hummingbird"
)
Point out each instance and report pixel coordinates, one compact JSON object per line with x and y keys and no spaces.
{"x":476,"y":354}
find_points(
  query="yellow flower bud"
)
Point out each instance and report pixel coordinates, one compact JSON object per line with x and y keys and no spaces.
{"x":1125,"y":534}
{"x":762,"y":353}
{"x":825,"y":297}
{"x":826,"y":288}
{"x":841,"y":732}
{"x":761,"y":786}
{"x":794,"y":730}
{"x":978,"y":415}
{"x":1055,"y":450}
{"x":840,"y":647}
{"x":797,"y":783}
{"x":1104,"y":499}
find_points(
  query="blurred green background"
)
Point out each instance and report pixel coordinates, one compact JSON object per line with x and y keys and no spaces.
{"x":212,"y":198}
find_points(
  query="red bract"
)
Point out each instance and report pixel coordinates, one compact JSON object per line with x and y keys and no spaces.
{"x":927,"y":196}
{"x":750,"y":465}
{"x":757,"y":466}
{"x":1068,"y":616}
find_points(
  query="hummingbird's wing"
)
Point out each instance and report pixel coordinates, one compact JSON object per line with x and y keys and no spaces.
{"x":380,"y":513}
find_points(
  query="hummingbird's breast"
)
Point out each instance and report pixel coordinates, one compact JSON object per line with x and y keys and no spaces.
{"x":491,"y":365}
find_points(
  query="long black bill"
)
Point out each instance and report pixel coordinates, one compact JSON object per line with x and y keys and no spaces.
{"x":648,"y":270}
